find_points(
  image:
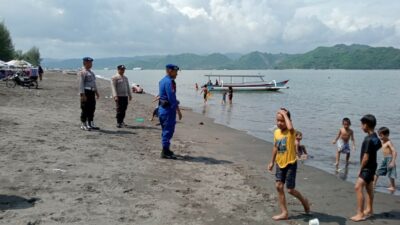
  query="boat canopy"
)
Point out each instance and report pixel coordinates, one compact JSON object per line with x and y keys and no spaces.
{"x":261,"y":77}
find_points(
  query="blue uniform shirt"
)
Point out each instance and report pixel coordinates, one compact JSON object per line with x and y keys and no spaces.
{"x":167,"y":92}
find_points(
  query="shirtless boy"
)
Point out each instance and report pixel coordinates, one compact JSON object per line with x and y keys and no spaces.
{"x":388,"y":165}
{"x":300,"y":149}
{"x":343,"y":141}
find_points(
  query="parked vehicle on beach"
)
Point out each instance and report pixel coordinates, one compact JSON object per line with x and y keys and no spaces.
{"x":243,"y":84}
{"x":18,"y":79}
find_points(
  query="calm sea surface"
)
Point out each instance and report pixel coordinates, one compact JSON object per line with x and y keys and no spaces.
{"x":317,"y":99}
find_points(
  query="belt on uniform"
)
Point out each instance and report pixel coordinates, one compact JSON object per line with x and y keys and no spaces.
{"x":90,"y":89}
{"x":164,"y":103}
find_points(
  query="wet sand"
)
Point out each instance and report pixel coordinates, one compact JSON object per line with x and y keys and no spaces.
{"x":51,"y":172}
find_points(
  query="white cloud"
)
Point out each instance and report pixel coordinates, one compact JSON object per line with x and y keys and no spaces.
{"x":191,"y":9}
{"x":194,"y":13}
{"x":103,"y":28}
{"x":302,"y":30}
{"x":159,"y":6}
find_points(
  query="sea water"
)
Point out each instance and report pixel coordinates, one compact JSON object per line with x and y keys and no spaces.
{"x":317,"y":99}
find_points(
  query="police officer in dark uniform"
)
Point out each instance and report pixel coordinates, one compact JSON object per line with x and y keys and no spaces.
{"x":88,"y":94}
{"x":168,"y":108}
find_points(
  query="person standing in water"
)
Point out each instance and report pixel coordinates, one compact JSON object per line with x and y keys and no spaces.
{"x":223,"y":102}
{"x":168,"y":108}
{"x":230,"y":95}
{"x":388,"y":165}
{"x":204,"y":91}
{"x":342,"y":140}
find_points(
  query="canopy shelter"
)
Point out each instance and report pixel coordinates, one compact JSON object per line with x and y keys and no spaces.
{"x":18,"y":63}
{"x":232,"y":77}
{"x":2,"y":64}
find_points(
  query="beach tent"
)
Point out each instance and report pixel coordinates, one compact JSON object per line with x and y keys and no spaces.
{"x":18,"y":63}
{"x":2,"y":64}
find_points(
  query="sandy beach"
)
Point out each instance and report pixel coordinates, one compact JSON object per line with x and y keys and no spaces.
{"x":51,"y":172}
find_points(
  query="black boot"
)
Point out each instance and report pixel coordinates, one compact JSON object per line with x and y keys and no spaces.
{"x":167,"y":154}
{"x":84,"y":126}
{"x":92,"y":126}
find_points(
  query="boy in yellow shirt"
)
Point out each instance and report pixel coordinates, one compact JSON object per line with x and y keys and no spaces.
{"x":284,"y":154}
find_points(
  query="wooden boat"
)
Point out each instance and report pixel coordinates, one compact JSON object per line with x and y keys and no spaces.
{"x":244,"y":85}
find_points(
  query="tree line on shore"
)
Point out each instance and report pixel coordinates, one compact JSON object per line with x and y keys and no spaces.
{"x":8,"y":52}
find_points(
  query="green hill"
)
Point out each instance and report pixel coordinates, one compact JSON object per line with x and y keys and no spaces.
{"x":336,"y":57}
{"x":258,"y":60}
{"x":345,"y":57}
{"x":214,"y":61}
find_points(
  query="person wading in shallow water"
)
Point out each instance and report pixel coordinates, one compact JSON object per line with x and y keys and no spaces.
{"x":168,"y":108}
{"x":88,"y":94}
{"x":230,"y":95}
{"x":121,"y":93}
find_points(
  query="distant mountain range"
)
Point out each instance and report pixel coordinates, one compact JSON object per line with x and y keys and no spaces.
{"x":336,"y":57}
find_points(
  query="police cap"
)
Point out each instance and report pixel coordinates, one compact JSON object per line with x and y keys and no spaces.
{"x":87,"y":59}
{"x":171,"y":67}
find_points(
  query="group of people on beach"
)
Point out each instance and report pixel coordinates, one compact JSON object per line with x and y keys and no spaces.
{"x":388,"y":164}
{"x":287,"y":148}
{"x":168,"y":105}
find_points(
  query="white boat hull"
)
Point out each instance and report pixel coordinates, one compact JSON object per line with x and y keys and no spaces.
{"x":260,"y":86}
{"x":244,"y":86}
{"x":248,"y":88}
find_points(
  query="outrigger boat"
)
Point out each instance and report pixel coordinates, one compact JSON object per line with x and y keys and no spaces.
{"x":244,"y":85}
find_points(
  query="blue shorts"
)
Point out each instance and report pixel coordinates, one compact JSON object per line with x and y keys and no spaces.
{"x":343,"y":147}
{"x":287,"y":175}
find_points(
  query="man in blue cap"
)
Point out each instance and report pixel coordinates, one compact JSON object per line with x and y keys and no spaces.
{"x":169,"y":107}
{"x":88,"y":93}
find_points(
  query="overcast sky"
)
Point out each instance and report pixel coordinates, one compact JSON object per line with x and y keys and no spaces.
{"x":104,"y":28}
